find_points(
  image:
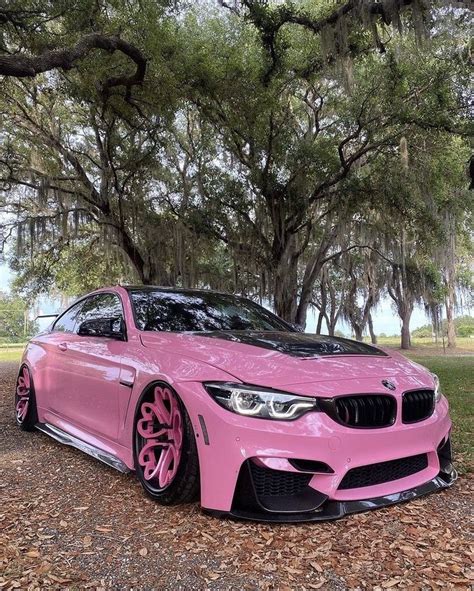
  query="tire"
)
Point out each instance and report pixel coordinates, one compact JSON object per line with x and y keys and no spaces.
{"x":26,"y":415}
{"x":164,"y":448}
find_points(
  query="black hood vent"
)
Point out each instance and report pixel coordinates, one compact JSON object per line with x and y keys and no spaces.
{"x":295,"y":343}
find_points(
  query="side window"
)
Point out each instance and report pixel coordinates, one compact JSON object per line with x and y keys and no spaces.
{"x":102,"y":305}
{"x":67,"y":322}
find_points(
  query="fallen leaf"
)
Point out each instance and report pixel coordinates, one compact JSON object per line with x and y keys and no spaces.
{"x":390,"y":583}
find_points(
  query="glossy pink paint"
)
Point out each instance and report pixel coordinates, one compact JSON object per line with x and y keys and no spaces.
{"x":82,"y":386}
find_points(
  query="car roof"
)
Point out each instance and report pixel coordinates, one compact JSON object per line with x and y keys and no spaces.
{"x":181,"y":290}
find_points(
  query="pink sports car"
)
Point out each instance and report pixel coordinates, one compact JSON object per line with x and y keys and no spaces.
{"x":210,"y":395}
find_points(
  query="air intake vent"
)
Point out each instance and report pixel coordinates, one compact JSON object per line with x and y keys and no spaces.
{"x":270,"y":483}
{"x":417,"y":405}
{"x":383,"y":472}
{"x":363,"y":411}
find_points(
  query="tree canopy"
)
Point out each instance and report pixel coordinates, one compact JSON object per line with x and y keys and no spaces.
{"x":308,"y":154}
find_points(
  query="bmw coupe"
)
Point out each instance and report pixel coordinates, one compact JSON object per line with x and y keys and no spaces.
{"x":209,"y":395}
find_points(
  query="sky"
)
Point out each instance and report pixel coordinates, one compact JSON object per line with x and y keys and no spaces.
{"x":385,"y":319}
{"x":5,"y":277}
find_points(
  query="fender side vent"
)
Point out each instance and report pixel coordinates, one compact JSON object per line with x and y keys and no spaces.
{"x":312,"y":466}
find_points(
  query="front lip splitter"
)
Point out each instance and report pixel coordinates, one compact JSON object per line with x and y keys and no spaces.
{"x":336,"y":509}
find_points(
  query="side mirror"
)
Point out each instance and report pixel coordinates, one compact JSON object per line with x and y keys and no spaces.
{"x":111,"y":328}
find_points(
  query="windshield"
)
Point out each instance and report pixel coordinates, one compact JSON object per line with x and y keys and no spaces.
{"x":199,"y":311}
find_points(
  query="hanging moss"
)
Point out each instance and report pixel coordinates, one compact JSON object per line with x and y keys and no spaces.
{"x":392,"y":9}
{"x":31,"y":228}
{"x":19,"y":240}
{"x":64,"y":224}
{"x":404,"y":152}
{"x":43,"y":191}
{"x":335,"y":42}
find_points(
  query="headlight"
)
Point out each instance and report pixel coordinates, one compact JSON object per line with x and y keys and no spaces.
{"x":437,"y":388}
{"x":262,"y":403}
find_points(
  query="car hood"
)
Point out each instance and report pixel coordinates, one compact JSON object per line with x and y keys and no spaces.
{"x":277,"y":359}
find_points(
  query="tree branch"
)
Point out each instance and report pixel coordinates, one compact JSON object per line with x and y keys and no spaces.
{"x":23,"y":66}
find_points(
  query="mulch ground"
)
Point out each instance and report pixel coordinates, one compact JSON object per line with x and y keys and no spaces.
{"x":70,"y":522}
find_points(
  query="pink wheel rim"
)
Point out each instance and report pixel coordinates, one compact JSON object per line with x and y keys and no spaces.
{"x":161,"y":427}
{"x":23,"y":391}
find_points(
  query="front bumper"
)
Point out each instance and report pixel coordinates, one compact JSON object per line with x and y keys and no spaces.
{"x":232,"y":448}
{"x":247,"y":506}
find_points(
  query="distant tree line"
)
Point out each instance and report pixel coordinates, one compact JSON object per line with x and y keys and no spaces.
{"x":463,"y":325}
{"x":15,"y":321}
{"x":310,"y":154}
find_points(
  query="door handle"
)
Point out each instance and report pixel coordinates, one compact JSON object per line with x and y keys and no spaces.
{"x":62,"y":346}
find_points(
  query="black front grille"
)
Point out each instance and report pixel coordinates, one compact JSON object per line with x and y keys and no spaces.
{"x":365,"y":411}
{"x":273,"y":483}
{"x":417,"y":405}
{"x":384,"y":472}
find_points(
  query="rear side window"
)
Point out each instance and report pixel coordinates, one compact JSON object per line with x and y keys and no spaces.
{"x":67,"y":322}
{"x":102,"y":305}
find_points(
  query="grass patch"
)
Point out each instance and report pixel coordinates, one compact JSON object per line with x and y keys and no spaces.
{"x":456,"y":375}
{"x":426,"y":345}
{"x":11,"y":353}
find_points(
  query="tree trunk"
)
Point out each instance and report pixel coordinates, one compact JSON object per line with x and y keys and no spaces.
{"x":405,"y":335}
{"x":358,"y":332}
{"x":450,"y":279}
{"x":285,"y":283}
{"x":404,"y":299}
{"x":313,"y":270}
{"x":322,"y":308}
{"x":331,"y":326}
{"x":319,"y":326}
{"x":450,"y":323}
{"x":285,"y":295}
{"x":373,"y":336}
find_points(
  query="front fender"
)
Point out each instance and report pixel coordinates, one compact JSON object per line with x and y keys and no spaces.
{"x":173,"y":369}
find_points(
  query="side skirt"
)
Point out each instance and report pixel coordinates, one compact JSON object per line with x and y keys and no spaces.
{"x":87,"y":448}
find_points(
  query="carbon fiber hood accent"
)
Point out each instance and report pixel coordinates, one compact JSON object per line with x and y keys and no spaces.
{"x":296,"y":344}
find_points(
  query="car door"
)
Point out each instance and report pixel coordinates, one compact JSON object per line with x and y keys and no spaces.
{"x":55,"y":395}
{"x":88,"y":370}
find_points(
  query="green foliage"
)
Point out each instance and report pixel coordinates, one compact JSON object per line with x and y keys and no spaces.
{"x":233,"y":168}
{"x":425,"y":331}
{"x":15,"y":325}
{"x":464,"y":326}
{"x":71,"y":271}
